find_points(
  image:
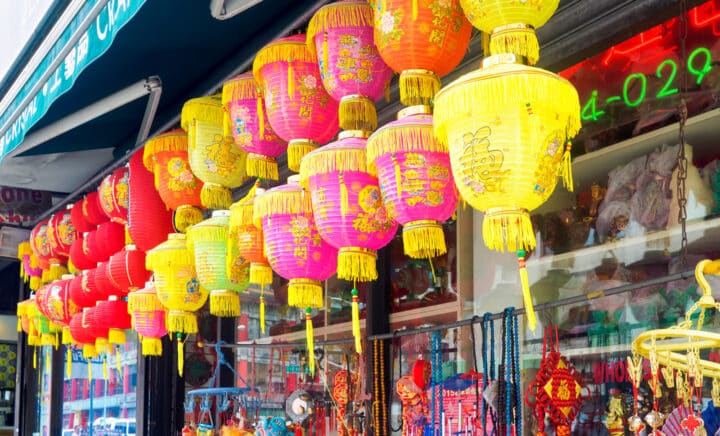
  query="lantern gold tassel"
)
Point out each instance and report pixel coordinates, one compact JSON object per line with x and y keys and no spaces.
{"x":525,"y":284}
{"x":305,"y":293}
{"x":349,"y":159}
{"x":356,"y":321}
{"x":35,"y":358}
{"x":101,"y":345}
{"x":517,"y":39}
{"x":508,"y":227}
{"x":355,"y":263}
{"x":57,"y":271}
{"x":186,"y":216}
{"x":344,"y":206}
{"x":260,"y":108}
{"x":398,"y":177}
{"x":566,"y":168}
{"x":89,"y":351}
{"x":424,"y":239}
{"x":68,"y":363}
{"x":104,"y":366}
{"x":47,"y":339}
{"x":260,"y":274}
{"x":215,"y":196}
{"x":297,"y":148}
{"x":151,"y":346}
{"x":224,"y":303}
{"x":291,"y":79}
{"x":262,"y":166}
{"x":34,"y":283}
{"x":418,"y":87}
{"x":116,"y":336}
{"x":309,"y":336}
{"x":414,"y":9}
{"x":180,"y":354}
{"x":181,"y":321}
{"x":66,"y":336}
{"x":262,"y":315}
{"x":357,"y":112}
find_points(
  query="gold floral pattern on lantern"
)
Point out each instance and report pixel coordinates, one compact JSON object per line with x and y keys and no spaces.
{"x":220,"y":158}
{"x":489,"y":175}
{"x":375,"y":217}
{"x":181,"y":178}
{"x":388,"y":27}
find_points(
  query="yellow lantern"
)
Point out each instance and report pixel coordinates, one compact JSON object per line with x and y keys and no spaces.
{"x":511,"y":23}
{"x":214,"y":157}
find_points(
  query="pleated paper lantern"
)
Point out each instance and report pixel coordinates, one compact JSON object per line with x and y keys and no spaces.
{"x":92,"y":292}
{"x":166,"y":156}
{"x":53,"y":301}
{"x":78,"y":218}
{"x":61,"y":234}
{"x":79,"y":257}
{"x":40,"y":244}
{"x":126,"y":270}
{"x":177,"y":287}
{"x":92,"y":211}
{"x":422,"y":42}
{"x":82,"y":335}
{"x":295,"y":249}
{"x":416,"y":182}
{"x":214,"y":157}
{"x":299,"y":109}
{"x":103,"y":284}
{"x":97,"y":327}
{"x":511,"y":24}
{"x":208,"y":243}
{"x":246,"y":120}
{"x":23,"y":316}
{"x":148,"y":317}
{"x":347,"y":205}
{"x":80,"y":293}
{"x":248,"y":238}
{"x":113,"y":313}
{"x":42,"y":326}
{"x":113,"y":195}
{"x":149,"y":221}
{"x":353,"y":73}
{"x":108,"y":239}
{"x":508,"y":128}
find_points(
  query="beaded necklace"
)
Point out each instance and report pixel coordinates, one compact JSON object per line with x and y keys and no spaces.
{"x":379,"y":411}
{"x":488,"y":371}
{"x":436,"y":383}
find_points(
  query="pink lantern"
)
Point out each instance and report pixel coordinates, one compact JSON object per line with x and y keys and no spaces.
{"x":148,"y":317}
{"x":416,"y":181}
{"x":299,"y":109}
{"x":347,"y":206}
{"x":247,"y":121}
{"x":351,"y":68}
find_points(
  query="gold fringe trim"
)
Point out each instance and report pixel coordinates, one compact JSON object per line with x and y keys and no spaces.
{"x":357,"y":264}
{"x":282,"y":50}
{"x":490,"y":87}
{"x":240,"y":87}
{"x":527,"y":297}
{"x":214,"y":196}
{"x":357,"y":112}
{"x":89,"y":351}
{"x":48,"y":339}
{"x":175,"y":140}
{"x":508,"y":228}
{"x":284,"y":202}
{"x":56,"y":272}
{"x":329,"y":160}
{"x":116,"y":336}
{"x":169,"y":254}
{"x":23,"y":250}
{"x":305,"y":293}
{"x":262,"y":314}
{"x":180,"y":356}
{"x":566,"y":168}
{"x":418,"y":87}
{"x":310,"y":340}
{"x":342,"y":14}
{"x":33,"y":340}
{"x":297,"y":149}
{"x":34,"y":283}
{"x":260,"y":274}
{"x":206,"y":109}
{"x":151,"y":346}
{"x":186,"y":216}
{"x":241,"y":212}
{"x":145,"y":301}
{"x":179,"y":321}
{"x":424,"y":239}
{"x":407,"y":138}
{"x":67,"y":338}
{"x":224,"y":304}
{"x":262,"y":166}
{"x":355,"y":315}
{"x":518,"y":41}
{"x":101,"y":345}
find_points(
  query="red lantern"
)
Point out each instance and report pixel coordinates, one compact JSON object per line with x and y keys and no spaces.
{"x":103,"y":284}
{"x":82,"y":335}
{"x":108,"y":239}
{"x":77,"y":293}
{"x":93,"y":293}
{"x":92,"y":212}
{"x":78,"y":218}
{"x":113,"y":314}
{"x":61,"y":233}
{"x":149,"y":221}
{"x":40,"y":244}
{"x":54,"y":302}
{"x":421,"y":372}
{"x":126,"y":270}
{"x":78,"y":257}
{"x":113,"y":195}
{"x":97,"y":327}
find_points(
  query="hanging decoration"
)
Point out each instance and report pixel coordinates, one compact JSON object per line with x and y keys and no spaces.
{"x":92,"y":211}
{"x":177,"y":287}
{"x":114,"y":315}
{"x":126,"y":270}
{"x":413,"y":170}
{"x":148,"y":319}
{"x":40,"y":244}
{"x":214,"y":157}
{"x":61,"y":233}
{"x":295,"y":249}
{"x":508,"y":128}
{"x":247,"y":122}
{"x":79,"y":293}
{"x":82,"y":335}
{"x":166,"y":156}
{"x":347,"y":205}
{"x":340,"y":35}
{"x":422,"y":41}
{"x":47,"y":330}
{"x":30,"y":270}
{"x":299,"y":109}
{"x":95,"y":324}
{"x":53,"y":301}
{"x":149,"y":221}
{"x":78,"y":218}
{"x":208,"y":243}
{"x":113,"y":195}
{"x":78,"y":256}
{"x":108,"y":239}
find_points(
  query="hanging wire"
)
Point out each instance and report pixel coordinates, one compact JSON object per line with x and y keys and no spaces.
{"x":682,"y":161}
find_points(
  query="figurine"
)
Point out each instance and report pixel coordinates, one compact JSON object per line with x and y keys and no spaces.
{"x":614,"y":423}
{"x":597,"y":194}
{"x":618,"y":228}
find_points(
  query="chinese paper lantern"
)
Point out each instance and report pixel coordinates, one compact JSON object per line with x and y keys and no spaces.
{"x":82,"y":335}
{"x":53,"y":301}
{"x":177,"y":286}
{"x":92,"y":293}
{"x":421,"y":42}
{"x":79,"y":257}
{"x":341,"y":36}
{"x":113,"y":313}
{"x":508,"y":128}
{"x":214,"y":157}
{"x":79,"y":291}
{"x":103,"y":284}
{"x":246,"y":120}
{"x":78,"y":218}
{"x":61,"y":234}
{"x":113,"y":195}
{"x":23,"y":316}
{"x":41,"y":324}
{"x":108,"y":239}
{"x":207,"y":241}
{"x":148,"y":317}
{"x":511,"y":24}
{"x":299,"y":109}
{"x":149,"y":221}
{"x":295,"y":249}
{"x":166,"y":156}
{"x":126,"y":270}
{"x":92,"y":212}
{"x":413,"y":170}
{"x":95,"y":323}
{"x":347,"y":205}
{"x":40,"y":244}
{"x":30,"y":271}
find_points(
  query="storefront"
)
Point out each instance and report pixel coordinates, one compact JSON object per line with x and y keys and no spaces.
{"x":447,"y":345}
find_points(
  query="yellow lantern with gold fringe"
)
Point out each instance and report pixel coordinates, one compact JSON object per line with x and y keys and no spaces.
{"x":214,"y":157}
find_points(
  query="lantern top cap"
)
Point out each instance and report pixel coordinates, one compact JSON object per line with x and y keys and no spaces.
{"x":67,"y":277}
{"x":208,"y":109}
{"x":289,"y":49}
{"x":420,"y":109}
{"x":173,"y":141}
{"x":241,"y":87}
{"x":350,"y":13}
{"x":176,"y":236}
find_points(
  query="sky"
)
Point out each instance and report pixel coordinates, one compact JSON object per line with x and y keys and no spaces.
{"x":18,"y":19}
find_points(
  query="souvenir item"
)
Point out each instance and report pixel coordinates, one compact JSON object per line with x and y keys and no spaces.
{"x":113,"y":195}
